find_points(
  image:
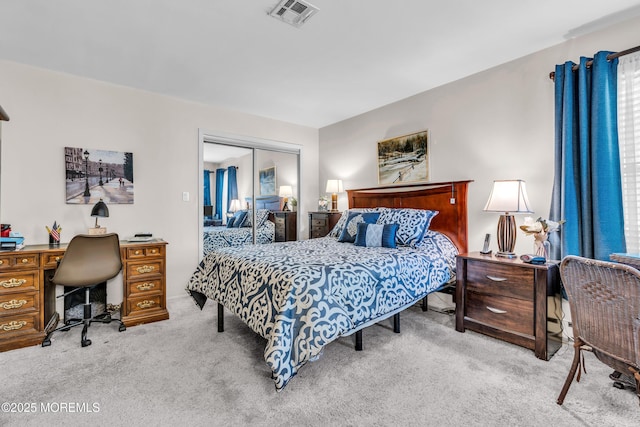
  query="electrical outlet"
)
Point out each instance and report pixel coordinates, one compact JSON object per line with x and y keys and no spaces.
{"x":185,"y":196}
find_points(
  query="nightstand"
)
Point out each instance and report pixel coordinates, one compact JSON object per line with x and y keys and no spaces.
{"x":510,"y":300}
{"x":321,"y":223}
{"x":286,"y":227}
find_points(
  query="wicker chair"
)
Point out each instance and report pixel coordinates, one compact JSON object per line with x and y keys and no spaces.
{"x":605,"y":310}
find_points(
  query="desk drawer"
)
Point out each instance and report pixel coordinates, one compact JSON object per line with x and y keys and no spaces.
{"x":51,"y":259}
{"x":17,"y":261}
{"x":136,"y":289}
{"x":18,"y":303}
{"x":145,"y":269}
{"x":17,"y":325}
{"x":18,"y":281}
{"x":144,"y":303}
{"x":508,"y":314}
{"x":144,"y":252}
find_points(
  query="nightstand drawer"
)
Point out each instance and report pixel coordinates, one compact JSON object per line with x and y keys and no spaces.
{"x":508,"y":314}
{"x":319,"y":222}
{"x":505,"y":280}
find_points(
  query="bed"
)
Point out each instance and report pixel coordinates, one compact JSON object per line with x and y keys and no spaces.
{"x":225,"y":236}
{"x":300,"y":296}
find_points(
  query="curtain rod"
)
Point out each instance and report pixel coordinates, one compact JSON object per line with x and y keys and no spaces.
{"x":611,"y":56}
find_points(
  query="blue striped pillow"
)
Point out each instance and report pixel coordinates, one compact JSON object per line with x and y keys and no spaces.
{"x":376,"y":235}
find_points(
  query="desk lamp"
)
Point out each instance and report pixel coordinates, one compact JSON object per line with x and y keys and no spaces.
{"x":508,"y":197}
{"x":334,"y":186}
{"x":100,"y":209}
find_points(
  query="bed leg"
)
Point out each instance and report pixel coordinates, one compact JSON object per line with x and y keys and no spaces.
{"x":396,"y":323}
{"x":220,"y":318}
{"x":425,"y":303}
{"x":359,"y":340}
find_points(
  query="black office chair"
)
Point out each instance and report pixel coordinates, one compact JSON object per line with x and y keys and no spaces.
{"x":89,"y":261}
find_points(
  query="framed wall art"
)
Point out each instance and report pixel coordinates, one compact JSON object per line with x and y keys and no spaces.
{"x":267,"y":179}
{"x":92,"y":175}
{"x":404,"y":159}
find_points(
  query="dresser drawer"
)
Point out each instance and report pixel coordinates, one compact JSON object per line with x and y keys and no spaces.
{"x":18,"y":261}
{"x":508,"y":314}
{"x":136,"y":289}
{"x":505,"y":280}
{"x":144,"y":303}
{"x":18,"y":281}
{"x":320,"y":222}
{"x":18,"y":303}
{"x":149,"y":268}
{"x":18,"y":325}
{"x":144,"y":252}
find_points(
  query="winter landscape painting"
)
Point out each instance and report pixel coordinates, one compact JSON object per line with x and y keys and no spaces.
{"x":404,"y":159}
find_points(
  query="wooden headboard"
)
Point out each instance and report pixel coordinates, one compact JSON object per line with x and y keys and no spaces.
{"x":452,"y":219}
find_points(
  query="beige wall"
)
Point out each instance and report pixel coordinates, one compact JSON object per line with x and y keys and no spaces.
{"x":51,"y":110}
{"x":497,"y":124}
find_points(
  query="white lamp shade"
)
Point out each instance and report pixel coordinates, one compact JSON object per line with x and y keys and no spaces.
{"x":235,"y":205}
{"x":508,"y":196}
{"x":286,"y":191}
{"x":334,"y":186}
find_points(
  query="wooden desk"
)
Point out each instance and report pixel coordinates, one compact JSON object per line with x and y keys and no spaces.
{"x":27,"y":296}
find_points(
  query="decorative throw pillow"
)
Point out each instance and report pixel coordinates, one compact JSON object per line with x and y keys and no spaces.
{"x":238,"y":218}
{"x":337,"y":229}
{"x":230,"y":222}
{"x":351,"y":227}
{"x":376,"y":235}
{"x":412,"y":223}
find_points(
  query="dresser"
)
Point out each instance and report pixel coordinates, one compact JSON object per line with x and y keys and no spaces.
{"x":286,"y":225}
{"x":27,"y":296}
{"x":321,"y":223}
{"x":510,"y":300}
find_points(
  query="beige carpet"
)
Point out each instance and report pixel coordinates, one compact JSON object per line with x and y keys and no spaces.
{"x":182,"y":372}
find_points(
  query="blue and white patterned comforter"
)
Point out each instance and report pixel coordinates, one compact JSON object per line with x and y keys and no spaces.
{"x":221,"y":237}
{"x":302,"y":295}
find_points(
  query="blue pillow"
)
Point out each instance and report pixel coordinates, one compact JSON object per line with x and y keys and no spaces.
{"x":238,"y":218}
{"x":230,"y":222}
{"x":351,"y":226}
{"x":376,"y":235}
{"x":412,"y":223}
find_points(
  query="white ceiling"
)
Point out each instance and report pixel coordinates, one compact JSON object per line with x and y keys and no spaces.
{"x":351,"y":57}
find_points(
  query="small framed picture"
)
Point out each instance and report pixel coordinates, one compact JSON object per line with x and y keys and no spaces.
{"x":268,"y":181}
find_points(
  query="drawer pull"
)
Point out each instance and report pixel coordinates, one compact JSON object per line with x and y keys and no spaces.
{"x":153,"y":251}
{"x":13,"y":325}
{"x":12,"y":283}
{"x":1,"y":261}
{"x":57,"y":259}
{"x":25,"y":260}
{"x":145,"y":304}
{"x":145,"y":286}
{"x":137,"y":252}
{"x":13,"y":304}
{"x":496,"y":278}
{"x":145,"y":269}
{"x":496,"y":310}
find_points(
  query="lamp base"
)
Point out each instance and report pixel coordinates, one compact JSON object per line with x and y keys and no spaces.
{"x":97,"y":230}
{"x":506,"y":254}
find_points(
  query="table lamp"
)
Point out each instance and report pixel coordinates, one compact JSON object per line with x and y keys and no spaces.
{"x":100,"y":209}
{"x":508,"y":197}
{"x":334,"y":186}
{"x":285,"y":192}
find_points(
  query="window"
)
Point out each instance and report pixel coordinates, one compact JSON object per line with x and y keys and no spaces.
{"x":629,"y":140}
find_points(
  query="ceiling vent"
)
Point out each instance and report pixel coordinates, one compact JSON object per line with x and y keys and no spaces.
{"x":294,"y":12}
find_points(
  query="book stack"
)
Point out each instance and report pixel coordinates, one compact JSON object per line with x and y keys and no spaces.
{"x":11,"y":243}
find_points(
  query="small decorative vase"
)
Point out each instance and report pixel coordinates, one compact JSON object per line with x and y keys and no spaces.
{"x":541,"y":246}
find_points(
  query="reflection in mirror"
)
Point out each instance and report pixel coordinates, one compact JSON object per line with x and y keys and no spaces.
{"x":243,"y":195}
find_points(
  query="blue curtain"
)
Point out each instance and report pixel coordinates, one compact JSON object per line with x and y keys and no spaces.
{"x":232,"y":183}
{"x":219,"y":192}
{"x":587,"y":188}
{"x":207,"y":188}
